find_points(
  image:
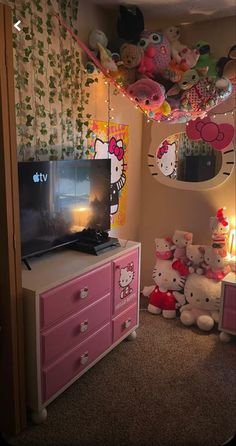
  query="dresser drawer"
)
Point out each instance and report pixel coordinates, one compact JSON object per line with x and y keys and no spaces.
{"x":125,"y":281}
{"x":63,"y":337}
{"x":229,"y":320}
{"x":230,"y":297}
{"x":74,"y":295}
{"x":62,"y":371}
{"x":124,"y":322}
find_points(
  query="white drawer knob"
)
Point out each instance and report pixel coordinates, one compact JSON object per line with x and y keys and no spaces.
{"x":84,"y":292}
{"x":127,"y":323}
{"x":84,"y":326}
{"x":84,"y":358}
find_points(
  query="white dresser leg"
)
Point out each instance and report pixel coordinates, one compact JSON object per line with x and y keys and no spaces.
{"x":132,"y":336}
{"x":40,"y":416}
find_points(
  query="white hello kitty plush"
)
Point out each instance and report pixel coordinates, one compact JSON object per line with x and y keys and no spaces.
{"x":217,"y":263}
{"x":181,"y":240}
{"x":166,"y":159}
{"x":113,"y":150}
{"x":126,"y":278}
{"x":219,"y":226}
{"x":195,"y":256}
{"x":165,"y":297}
{"x":203,"y":297}
{"x":163,"y":248}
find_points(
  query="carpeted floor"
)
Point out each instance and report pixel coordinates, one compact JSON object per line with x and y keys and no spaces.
{"x":172,"y":386}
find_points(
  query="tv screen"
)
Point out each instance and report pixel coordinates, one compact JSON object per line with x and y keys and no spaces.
{"x":58,"y":199}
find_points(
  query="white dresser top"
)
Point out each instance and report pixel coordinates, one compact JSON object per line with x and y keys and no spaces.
{"x":53,"y":268}
{"x":230,"y":278}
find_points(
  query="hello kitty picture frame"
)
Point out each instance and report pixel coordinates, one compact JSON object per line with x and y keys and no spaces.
{"x":167,"y":144}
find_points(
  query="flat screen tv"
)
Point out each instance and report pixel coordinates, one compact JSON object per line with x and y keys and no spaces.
{"x":58,"y":199}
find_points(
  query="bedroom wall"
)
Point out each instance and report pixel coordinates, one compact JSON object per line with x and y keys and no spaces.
{"x":164,"y":208}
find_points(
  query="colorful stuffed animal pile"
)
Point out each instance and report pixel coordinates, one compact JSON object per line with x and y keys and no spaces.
{"x":188,"y":277}
{"x":169,"y":80}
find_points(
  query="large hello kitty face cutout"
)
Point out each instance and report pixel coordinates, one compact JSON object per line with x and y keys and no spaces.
{"x":201,"y":292}
{"x":126,"y":275}
{"x":166,"y":158}
{"x":113,"y":150}
{"x":166,"y":277}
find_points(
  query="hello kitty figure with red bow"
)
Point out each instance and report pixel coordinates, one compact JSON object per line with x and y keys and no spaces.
{"x":163,"y":248}
{"x":165,"y":297}
{"x":126,"y":278}
{"x":219,"y":229}
{"x":195,"y":255}
{"x":216,"y":262}
{"x":181,"y":239}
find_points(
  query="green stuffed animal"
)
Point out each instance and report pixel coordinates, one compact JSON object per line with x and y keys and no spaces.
{"x":206,"y":59}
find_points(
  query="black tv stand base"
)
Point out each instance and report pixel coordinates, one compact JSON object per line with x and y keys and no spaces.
{"x":95,"y":247}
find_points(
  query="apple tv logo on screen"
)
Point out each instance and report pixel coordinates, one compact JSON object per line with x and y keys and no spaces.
{"x":40,"y":177}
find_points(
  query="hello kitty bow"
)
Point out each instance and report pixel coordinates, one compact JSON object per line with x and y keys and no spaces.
{"x":130,"y":266}
{"x":179,"y":266}
{"x":220,"y":217}
{"x":113,"y":148}
{"x":218,"y":136}
{"x":162,"y":149}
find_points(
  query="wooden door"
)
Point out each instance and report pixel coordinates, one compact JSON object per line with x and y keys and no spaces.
{"x":12,"y":393}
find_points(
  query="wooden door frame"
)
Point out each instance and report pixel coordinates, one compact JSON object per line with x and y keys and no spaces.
{"x":12,"y":371}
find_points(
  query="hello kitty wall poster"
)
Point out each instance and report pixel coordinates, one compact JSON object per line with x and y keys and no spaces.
{"x":114,"y":147}
{"x":166,"y":157}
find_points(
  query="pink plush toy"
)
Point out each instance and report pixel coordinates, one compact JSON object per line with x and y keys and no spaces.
{"x":219,"y":229}
{"x":189,"y":57}
{"x":216,"y":262}
{"x":163,"y":248}
{"x":157,"y":54}
{"x":181,"y":239}
{"x":195,"y":255}
{"x":147,"y":93}
{"x":165,"y":297}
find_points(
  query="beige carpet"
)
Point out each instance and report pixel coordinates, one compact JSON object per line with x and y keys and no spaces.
{"x":172,"y":386}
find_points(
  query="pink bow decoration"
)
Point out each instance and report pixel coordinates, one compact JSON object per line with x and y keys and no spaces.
{"x":218,"y":136}
{"x":179,"y":266}
{"x":130,"y":267}
{"x":113,"y":148}
{"x":162,"y":149}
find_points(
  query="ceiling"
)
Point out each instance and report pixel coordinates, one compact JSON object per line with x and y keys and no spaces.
{"x":179,"y":11}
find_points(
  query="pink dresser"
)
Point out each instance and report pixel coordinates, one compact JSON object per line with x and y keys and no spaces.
{"x":227,"y":321}
{"x":77,"y":307}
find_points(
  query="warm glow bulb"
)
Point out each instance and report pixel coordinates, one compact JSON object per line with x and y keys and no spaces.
{"x":232,"y":242}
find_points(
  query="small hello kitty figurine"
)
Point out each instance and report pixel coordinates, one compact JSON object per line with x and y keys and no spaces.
{"x":203,"y":302}
{"x":217,"y":263}
{"x":195,"y":256}
{"x":166,"y":159}
{"x":126,"y":278}
{"x":219,"y":229}
{"x":181,"y":240}
{"x":165,"y":297}
{"x":163,"y":248}
{"x":113,"y":150}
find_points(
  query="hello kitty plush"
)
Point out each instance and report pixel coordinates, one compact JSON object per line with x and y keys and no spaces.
{"x":180,"y":52}
{"x":126,"y":278}
{"x":166,"y":158}
{"x":163,"y":248}
{"x":219,"y":226}
{"x":113,"y":150}
{"x":165,"y":297}
{"x":217,"y":263}
{"x":195,"y":256}
{"x":181,"y":239}
{"x":203,"y":297}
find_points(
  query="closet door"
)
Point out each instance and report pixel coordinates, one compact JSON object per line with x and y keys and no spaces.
{"x":12,"y":394}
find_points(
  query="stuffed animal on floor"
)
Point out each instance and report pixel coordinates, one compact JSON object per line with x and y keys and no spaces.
{"x":206,"y":60}
{"x":181,"y":240}
{"x":163,"y":248}
{"x":217,"y":263}
{"x":148,"y":94}
{"x":157,"y":56}
{"x":180,"y":52}
{"x":165,"y":296}
{"x":203,"y":297}
{"x":226,"y":66}
{"x":219,"y":226}
{"x":195,"y":256}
